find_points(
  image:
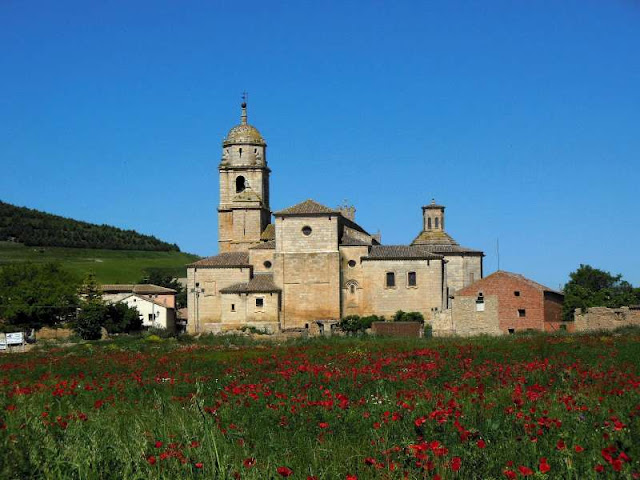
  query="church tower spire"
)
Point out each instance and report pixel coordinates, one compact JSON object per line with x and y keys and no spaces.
{"x":243,"y":212}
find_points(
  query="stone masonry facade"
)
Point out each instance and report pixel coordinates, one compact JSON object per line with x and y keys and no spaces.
{"x":306,"y":266}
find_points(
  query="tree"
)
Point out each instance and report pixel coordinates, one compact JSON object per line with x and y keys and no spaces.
{"x":591,"y":287}
{"x":88,"y":325}
{"x":121,"y":318}
{"x":36,"y":295}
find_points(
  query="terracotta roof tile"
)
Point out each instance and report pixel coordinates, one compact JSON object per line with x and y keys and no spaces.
{"x":269,"y":232}
{"x":140,"y":289}
{"x":260,"y":283}
{"x":224,"y":260}
{"x":400,"y":252}
{"x":308,"y":207}
{"x":270,"y":245}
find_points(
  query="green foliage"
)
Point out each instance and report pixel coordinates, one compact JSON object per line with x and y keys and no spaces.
{"x":34,"y":296}
{"x":89,"y":323}
{"x":35,"y":228}
{"x":591,"y":287}
{"x":356,"y":323}
{"x":120,"y":318}
{"x":401,"y":316}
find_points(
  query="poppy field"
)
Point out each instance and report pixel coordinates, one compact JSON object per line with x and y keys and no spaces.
{"x":341,"y":408}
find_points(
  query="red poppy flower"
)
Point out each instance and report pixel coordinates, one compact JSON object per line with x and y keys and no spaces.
{"x":249,"y":462}
{"x":456,"y":463}
{"x":561,"y":445}
{"x":323,"y":425}
{"x":578,"y":449}
{"x":599,"y":468}
{"x":285,"y":471}
{"x":151,"y":460}
{"x":351,"y":477}
{"x":159,"y":444}
{"x":510,"y":474}
{"x":481,"y":443}
{"x":525,"y":471}
{"x":544,"y":466}
{"x":199,"y":465}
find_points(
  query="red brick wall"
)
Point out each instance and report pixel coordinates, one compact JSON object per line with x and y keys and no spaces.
{"x":503,"y":286}
{"x":552,"y":307}
{"x":398,"y":329}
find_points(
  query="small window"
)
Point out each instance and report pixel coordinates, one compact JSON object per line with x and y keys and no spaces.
{"x":306,"y":230}
{"x":437,"y":221}
{"x":391,"y":279}
{"x":517,"y":293}
{"x":480,"y":303}
{"x":512,"y":331}
{"x":412,"y":280}
{"x":352,"y":289}
{"x":522,"y":312}
{"x":233,"y":307}
{"x":429,"y":223}
{"x":151,"y":317}
{"x":240,"y":150}
{"x":267,"y":264}
{"x":351,"y":263}
{"x":240,"y":184}
{"x":259,"y":302}
{"x":197,"y":284}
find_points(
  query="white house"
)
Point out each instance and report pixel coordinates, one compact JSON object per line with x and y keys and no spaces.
{"x":154,"y":314}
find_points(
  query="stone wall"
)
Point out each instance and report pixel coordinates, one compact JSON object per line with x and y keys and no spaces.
{"x":603,"y":318}
{"x":240,"y":309}
{"x":471,"y":318}
{"x":307,"y":269}
{"x":462,"y":270}
{"x":425,"y":297}
{"x":207,"y":308}
{"x":352,"y":280}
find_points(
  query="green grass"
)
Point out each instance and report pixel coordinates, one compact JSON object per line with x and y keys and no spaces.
{"x":109,"y":266}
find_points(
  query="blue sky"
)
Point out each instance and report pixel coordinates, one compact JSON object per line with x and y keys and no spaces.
{"x":523,"y":118}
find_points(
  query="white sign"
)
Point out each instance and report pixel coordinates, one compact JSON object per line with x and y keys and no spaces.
{"x":15,"y":338}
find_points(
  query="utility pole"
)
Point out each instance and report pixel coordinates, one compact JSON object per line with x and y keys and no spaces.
{"x":196,"y":292}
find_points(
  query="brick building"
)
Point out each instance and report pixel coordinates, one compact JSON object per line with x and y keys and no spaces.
{"x":312,"y":264}
{"x":503,"y":303}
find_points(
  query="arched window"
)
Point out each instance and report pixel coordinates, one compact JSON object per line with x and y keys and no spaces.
{"x":240,"y":184}
{"x":240,"y":151}
{"x":352,"y":289}
{"x":437,"y":222}
{"x":429,"y":223}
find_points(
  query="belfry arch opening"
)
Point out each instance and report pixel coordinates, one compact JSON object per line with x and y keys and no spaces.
{"x":240,"y":184}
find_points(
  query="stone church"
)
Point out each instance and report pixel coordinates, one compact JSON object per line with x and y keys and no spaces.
{"x":307,"y":266}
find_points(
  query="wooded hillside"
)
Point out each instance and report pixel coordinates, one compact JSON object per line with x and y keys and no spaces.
{"x":36,"y":228}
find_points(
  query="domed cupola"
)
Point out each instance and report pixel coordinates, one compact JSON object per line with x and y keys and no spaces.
{"x":244,"y":134}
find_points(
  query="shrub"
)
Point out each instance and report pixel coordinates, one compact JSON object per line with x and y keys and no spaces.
{"x":350,"y":324}
{"x":401,"y":316}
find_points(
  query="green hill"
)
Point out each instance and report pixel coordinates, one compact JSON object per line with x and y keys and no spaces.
{"x":110,"y":266}
{"x":35,"y":228}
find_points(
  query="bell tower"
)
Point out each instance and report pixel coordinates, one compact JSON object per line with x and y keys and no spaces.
{"x":243,"y":212}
